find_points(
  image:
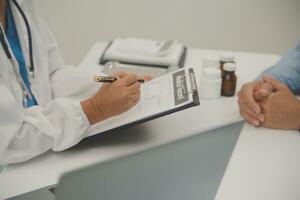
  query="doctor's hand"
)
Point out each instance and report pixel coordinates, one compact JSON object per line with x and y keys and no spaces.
{"x":113,"y":98}
{"x":248,"y":99}
{"x":281,"y":109}
{"x":146,"y":77}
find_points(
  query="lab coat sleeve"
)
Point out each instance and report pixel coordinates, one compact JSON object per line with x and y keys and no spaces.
{"x":73,"y":83}
{"x":57,"y":125}
{"x":287,"y":69}
{"x":26,"y":133}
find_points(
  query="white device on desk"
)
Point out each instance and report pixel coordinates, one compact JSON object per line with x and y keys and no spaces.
{"x":146,"y":47}
{"x":145,"y":52}
{"x":113,"y":66}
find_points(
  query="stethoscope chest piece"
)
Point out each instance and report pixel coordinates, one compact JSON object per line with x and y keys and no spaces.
{"x":31,"y":76}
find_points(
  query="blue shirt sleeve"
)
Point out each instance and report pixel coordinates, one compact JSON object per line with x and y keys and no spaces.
{"x":287,"y":69}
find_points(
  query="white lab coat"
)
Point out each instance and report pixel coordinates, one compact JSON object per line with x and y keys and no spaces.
{"x":58,"y":122}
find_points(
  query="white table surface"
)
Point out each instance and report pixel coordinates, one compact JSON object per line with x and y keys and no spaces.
{"x":45,"y":171}
{"x":265,"y":165}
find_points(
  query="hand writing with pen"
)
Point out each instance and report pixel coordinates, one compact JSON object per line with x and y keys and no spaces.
{"x":114,"y":97}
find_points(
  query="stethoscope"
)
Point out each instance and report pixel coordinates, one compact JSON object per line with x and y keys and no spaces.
{"x":30,"y":68}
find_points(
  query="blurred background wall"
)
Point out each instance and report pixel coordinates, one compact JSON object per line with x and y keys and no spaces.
{"x":268,"y":26}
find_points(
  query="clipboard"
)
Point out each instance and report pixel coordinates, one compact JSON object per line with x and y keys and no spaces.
{"x":103,"y":60}
{"x":176,"y":91}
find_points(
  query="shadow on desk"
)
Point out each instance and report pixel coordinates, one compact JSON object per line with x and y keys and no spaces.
{"x":132,"y":135}
{"x":129,"y":136}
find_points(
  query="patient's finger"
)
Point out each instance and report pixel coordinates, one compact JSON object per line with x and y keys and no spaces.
{"x":250,"y":120}
{"x":263,"y":91}
{"x":249,"y":112}
{"x":246,"y":95}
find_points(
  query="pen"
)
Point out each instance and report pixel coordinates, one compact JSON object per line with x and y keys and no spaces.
{"x":110,"y":79}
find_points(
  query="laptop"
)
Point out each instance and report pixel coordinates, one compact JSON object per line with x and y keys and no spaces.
{"x":191,"y":168}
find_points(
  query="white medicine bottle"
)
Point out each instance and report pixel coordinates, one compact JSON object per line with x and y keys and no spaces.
{"x":211,"y":83}
{"x":211,"y":62}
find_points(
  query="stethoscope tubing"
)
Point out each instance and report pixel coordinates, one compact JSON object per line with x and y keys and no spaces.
{"x":31,"y":67}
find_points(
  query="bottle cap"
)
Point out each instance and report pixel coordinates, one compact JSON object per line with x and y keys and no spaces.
{"x":227,"y":57}
{"x":211,"y":74}
{"x":230,"y":67}
{"x":211,"y":62}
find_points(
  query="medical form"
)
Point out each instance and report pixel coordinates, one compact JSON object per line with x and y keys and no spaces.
{"x":164,"y":95}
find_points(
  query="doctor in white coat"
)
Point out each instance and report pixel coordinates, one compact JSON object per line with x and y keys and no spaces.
{"x":53,"y":106}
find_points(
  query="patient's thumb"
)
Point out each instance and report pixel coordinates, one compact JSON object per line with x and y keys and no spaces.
{"x":259,"y":96}
{"x":265,"y":92}
{"x":273,"y":82}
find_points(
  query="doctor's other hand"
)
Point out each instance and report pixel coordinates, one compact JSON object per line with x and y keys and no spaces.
{"x":281,"y":109}
{"x":248,"y":98}
{"x":113,"y":98}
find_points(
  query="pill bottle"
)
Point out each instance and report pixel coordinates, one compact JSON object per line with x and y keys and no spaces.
{"x":211,"y":83}
{"x":226,"y":58}
{"x":211,"y":62}
{"x":229,"y":80}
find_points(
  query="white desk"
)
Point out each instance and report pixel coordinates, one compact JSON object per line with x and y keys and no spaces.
{"x":264,"y":165}
{"x":46,"y":170}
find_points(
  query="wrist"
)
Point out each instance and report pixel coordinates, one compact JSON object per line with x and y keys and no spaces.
{"x":93,"y":113}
